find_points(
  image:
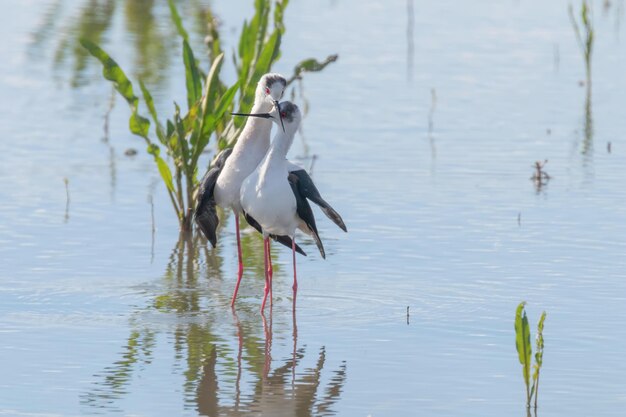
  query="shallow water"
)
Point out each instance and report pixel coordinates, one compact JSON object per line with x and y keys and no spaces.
{"x":101,"y":315}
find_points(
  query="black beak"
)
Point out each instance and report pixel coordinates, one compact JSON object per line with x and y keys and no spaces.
{"x":280,"y":115}
{"x":262,"y":115}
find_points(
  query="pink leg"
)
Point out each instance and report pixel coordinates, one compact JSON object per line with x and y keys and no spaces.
{"x":295,"y":279}
{"x":266,"y":290}
{"x":239,"y":256}
{"x":270,"y":271}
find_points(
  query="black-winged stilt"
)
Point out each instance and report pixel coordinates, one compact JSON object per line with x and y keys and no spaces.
{"x":221,"y":184}
{"x":276,"y":198}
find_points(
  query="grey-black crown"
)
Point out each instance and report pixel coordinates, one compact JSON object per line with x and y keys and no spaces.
{"x":288,"y":109}
{"x":270,"y":79}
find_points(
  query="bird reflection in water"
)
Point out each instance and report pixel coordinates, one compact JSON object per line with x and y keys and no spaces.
{"x":282,"y":391}
{"x":229,"y":360}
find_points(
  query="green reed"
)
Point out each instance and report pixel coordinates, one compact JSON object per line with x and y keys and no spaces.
{"x":184,"y":137}
{"x":258,"y":49}
{"x":524,"y":351}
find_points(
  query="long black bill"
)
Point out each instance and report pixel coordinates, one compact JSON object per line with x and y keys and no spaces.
{"x":280,"y":114}
{"x":263,"y":115}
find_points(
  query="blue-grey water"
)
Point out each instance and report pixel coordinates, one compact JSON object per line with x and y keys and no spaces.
{"x":423,"y":136}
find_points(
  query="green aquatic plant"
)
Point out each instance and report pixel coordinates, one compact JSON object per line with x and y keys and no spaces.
{"x":538,"y":357}
{"x":183,"y":137}
{"x":258,"y":49}
{"x":209,"y":100}
{"x":524,"y":351}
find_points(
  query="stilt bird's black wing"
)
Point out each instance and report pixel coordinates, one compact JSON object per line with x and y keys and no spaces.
{"x":285,"y":240}
{"x":304,"y":211}
{"x":205,"y":214}
{"x":307,"y":189}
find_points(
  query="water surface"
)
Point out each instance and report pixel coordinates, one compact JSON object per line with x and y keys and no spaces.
{"x":101,"y":316}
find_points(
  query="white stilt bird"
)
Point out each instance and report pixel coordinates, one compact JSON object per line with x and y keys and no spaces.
{"x":276,"y":198}
{"x":221,"y":184}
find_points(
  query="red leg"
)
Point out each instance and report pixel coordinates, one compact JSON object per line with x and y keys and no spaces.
{"x":266,"y":290}
{"x":270,"y":271}
{"x":295,"y":279}
{"x":239,"y":257}
{"x":269,"y":259}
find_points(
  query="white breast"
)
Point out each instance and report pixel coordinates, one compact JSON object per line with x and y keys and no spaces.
{"x":270,"y":201}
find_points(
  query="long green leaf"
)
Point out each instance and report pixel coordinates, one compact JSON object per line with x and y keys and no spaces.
{"x":268,"y":55}
{"x":539,"y":354}
{"x":243,"y":40}
{"x":177,"y":20}
{"x":246,"y":50}
{"x":262,"y":65}
{"x":213,"y":37}
{"x":522,"y":344}
{"x":539,"y":347}
{"x":211,"y":84}
{"x":201,"y":135}
{"x":538,"y":357}
{"x":224,"y":104}
{"x":152,"y":109}
{"x":181,"y":133}
{"x":192,"y":77}
{"x":164,"y":169}
{"x":263,"y":12}
{"x":212,"y":119}
{"x":279,"y":13}
{"x":112,"y":71}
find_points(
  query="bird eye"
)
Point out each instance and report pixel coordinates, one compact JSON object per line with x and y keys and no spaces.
{"x":267,"y":90}
{"x":283,"y":114}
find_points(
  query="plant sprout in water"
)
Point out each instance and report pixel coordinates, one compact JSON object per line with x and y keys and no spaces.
{"x":524,"y":351}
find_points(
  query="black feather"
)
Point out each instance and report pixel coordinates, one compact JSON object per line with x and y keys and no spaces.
{"x":307,"y":189}
{"x":205,"y":214}
{"x":304,"y":211}
{"x":285,"y":240}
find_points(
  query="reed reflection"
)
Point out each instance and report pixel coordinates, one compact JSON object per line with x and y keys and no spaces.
{"x":146,"y":23}
{"x":230,"y":363}
{"x":587,"y":146}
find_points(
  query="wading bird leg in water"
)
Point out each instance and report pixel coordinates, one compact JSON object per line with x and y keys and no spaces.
{"x":279,"y":205}
{"x":270,"y":272}
{"x":295,"y":280}
{"x":221,"y":185}
{"x":266,"y":270}
{"x":240,"y":258}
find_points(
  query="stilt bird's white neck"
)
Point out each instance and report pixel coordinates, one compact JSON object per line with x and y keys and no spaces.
{"x":280,"y":145}
{"x":257,"y":129}
{"x":277,"y":155}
